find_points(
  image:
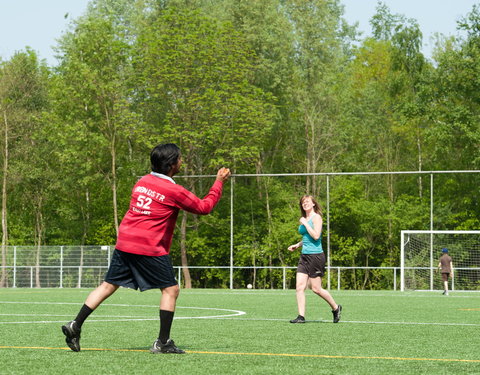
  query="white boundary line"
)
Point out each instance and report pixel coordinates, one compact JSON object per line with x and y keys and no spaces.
{"x":254,"y":319}
{"x":229,"y":317}
{"x":233,"y":316}
{"x":233,"y":313}
{"x":361,"y":322}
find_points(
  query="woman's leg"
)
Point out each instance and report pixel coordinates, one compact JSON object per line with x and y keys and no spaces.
{"x":302,"y":280}
{"x":323,"y":293}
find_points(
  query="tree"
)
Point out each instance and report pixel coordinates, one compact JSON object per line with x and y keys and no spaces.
{"x":318,"y":60}
{"x":22,"y":97}
{"x":455,"y":110}
{"x":196,"y":74}
{"x":94,"y":85}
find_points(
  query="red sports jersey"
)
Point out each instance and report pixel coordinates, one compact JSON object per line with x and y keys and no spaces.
{"x":147,"y":227}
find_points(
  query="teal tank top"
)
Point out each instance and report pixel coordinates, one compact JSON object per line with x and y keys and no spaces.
{"x":310,"y":246}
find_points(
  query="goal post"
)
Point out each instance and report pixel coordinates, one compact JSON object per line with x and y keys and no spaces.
{"x":420,"y":251}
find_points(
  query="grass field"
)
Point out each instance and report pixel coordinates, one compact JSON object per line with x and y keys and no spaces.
{"x":243,"y":332}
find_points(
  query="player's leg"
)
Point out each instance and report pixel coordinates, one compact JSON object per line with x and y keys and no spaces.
{"x":301,"y":286}
{"x":445,"y":283}
{"x":100,"y":294}
{"x":323,"y":293}
{"x":72,"y":329}
{"x":167,"y":311}
{"x":164,"y":344}
{"x":164,"y":277}
{"x":317,"y":270}
{"x":119,"y":273}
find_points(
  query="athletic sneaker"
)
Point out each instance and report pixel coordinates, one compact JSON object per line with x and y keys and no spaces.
{"x":445,"y":293}
{"x":168,"y":347}
{"x":337,"y":314}
{"x":298,"y":319}
{"x":72,"y":332}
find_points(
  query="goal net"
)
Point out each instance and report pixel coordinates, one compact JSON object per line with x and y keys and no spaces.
{"x":420,"y":251}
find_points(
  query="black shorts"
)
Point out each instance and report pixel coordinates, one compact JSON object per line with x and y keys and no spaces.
{"x":312,"y":264}
{"x":445,"y":276}
{"x":140,"y":271}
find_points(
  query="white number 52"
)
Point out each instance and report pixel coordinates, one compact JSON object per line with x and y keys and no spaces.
{"x":144,"y":202}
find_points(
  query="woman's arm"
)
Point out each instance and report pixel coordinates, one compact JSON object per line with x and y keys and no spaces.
{"x":296,"y":246}
{"x":316,"y":231}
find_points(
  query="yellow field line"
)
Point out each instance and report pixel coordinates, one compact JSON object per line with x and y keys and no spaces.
{"x":265,"y":354}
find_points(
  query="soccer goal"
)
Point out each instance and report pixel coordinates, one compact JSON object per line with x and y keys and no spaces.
{"x":420,"y":251}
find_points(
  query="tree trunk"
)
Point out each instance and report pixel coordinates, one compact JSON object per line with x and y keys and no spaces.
{"x":114,"y":187}
{"x":3,"y":279}
{"x":309,"y":136}
{"x":419,"y":148}
{"x":183,"y":249}
{"x":86,"y":224}
{"x":113,"y":154}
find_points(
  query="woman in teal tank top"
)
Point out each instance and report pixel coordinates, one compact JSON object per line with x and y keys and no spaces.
{"x":311,"y":266}
{"x":309,"y":244}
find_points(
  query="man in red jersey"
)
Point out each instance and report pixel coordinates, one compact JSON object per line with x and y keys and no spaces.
{"x":141,"y":258}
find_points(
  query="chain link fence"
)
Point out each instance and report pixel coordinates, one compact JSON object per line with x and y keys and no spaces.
{"x":85,"y":267}
{"x":55,"y":266}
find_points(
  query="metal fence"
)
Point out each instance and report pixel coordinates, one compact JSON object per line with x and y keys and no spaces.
{"x":56,"y":266}
{"x":85,"y":267}
{"x":328,"y":176}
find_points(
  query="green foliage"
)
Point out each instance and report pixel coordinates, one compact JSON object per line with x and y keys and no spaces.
{"x":196,"y":73}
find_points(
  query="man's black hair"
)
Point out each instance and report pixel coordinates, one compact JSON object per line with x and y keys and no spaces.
{"x":163,"y":157}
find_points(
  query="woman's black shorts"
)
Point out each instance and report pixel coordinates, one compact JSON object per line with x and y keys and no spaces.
{"x":312,"y":264}
{"x":140,"y":271}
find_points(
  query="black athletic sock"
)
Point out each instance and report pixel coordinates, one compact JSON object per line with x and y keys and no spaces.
{"x":83,"y":314}
{"x":166,"y":320}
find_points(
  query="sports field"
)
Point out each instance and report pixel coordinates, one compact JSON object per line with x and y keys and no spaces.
{"x":243,"y":332}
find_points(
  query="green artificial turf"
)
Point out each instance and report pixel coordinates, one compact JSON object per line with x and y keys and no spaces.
{"x":381,"y":332}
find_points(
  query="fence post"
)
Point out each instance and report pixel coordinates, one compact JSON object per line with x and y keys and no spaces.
{"x":338,"y":278}
{"x":284,"y":278}
{"x":232,"y":183}
{"x":61,"y":267}
{"x":31,"y":277}
{"x":80,"y":276}
{"x":394,"y":278}
{"x":402,"y":262}
{"x":14,"y":266}
{"x":431,"y":228}
{"x":179,"y":276}
{"x":328,"y":231}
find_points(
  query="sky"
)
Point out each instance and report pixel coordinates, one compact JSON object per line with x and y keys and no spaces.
{"x":39,"y":23}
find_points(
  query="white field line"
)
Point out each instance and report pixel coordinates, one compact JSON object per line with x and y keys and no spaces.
{"x":254,"y":319}
{"x":138,"y":319}
{"x":230,"y":313}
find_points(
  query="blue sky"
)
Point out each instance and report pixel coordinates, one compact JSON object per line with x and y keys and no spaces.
{"x":39,"y":23}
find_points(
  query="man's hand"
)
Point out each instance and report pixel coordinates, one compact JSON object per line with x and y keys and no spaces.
{"x":223,"y":174}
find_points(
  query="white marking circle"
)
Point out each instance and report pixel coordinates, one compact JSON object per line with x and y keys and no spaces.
{"x":225,"y":313}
